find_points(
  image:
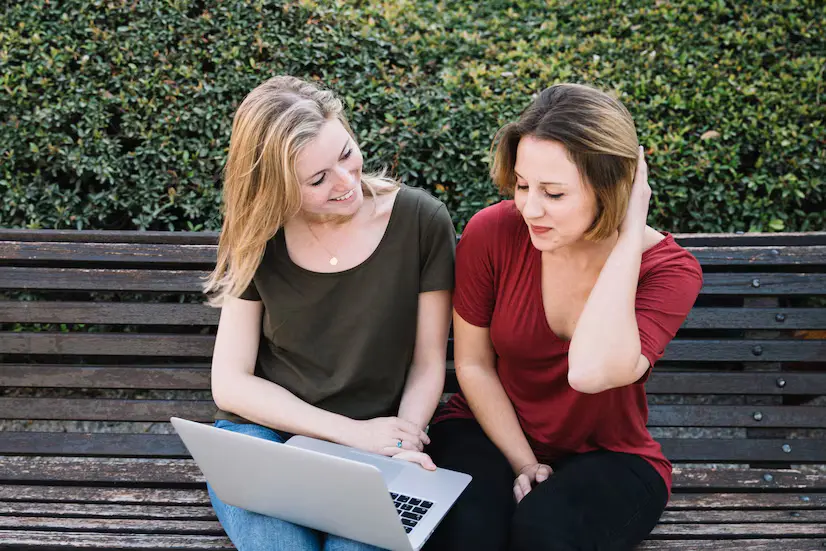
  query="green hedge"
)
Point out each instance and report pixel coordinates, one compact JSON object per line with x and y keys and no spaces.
{"x":115,"y":114}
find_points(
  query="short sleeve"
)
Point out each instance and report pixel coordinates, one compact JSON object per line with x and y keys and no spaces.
{"x":475,"y":293}
{"x":665,"y":296}
{"x":251,"y":292}
{"x":438,"y":253}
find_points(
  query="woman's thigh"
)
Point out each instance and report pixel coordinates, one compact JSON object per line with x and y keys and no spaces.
{"x":481,"y":517}
{"x":252,"y":531}
{"x":600,"y":501}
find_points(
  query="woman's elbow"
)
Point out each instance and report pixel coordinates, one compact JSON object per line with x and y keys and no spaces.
{"x":587,"y":380}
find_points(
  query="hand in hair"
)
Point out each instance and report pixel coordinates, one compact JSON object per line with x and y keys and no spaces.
{"x":637,"y":212}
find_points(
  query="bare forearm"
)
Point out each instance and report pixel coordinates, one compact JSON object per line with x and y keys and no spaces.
{"x":422,"y":391}
{"x":606,"y":341}
{"x":494,"y":412}
{"x":270,"y":405}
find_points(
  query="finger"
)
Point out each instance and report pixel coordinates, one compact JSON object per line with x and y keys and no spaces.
{"x":642,"y":167}
{"x":417,"y":457}
{"x":412,"y":439}
{"x":524,"y":484}
{"x":409,"y":446}
{"x":424,"y":437}
{"x":517,"y":493}
{"x":543,"y":473}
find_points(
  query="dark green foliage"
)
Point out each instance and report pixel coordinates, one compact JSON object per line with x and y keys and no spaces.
{"x":116,"y":114}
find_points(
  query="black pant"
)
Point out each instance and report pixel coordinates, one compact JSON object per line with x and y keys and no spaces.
{"x":596,"y":501}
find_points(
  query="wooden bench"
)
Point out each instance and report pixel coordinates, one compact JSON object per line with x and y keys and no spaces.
{"x":103,"y":337}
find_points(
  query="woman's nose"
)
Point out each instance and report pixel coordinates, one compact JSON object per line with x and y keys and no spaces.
{"x":533,"y":206}
{"x":344,"y":175}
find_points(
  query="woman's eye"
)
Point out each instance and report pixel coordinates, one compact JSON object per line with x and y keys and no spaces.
{"x":347,"y":155}
{"x":319,"y":181}
{"x":555,"y":195}
{"x":521,"y":187}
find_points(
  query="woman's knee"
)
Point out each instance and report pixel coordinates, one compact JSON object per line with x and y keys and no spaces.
{"x":543,"y":522}
{"x":250,"y":531}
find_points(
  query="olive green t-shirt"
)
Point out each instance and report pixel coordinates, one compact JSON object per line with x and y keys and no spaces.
{"x":344,"y":341}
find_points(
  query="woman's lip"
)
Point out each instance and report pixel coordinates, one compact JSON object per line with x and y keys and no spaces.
{"x":338,"y":199}
{"x":540,"y":229}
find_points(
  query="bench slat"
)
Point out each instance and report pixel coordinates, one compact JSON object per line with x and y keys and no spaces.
{"x":772,"y":544}
{"x":204,"y":255}
{"x":95,"y":409}
{"x":191,"y":376}
{"x":116,"y":527}
{"x":751,"y":530}
{"x":185,"y":377}
{"x":107,"y":344}
{"x":121,"y":313}
{"x":760,"y":256}
{"x":700,"y":450}
{"x":206,"y":512}
{"x":125,"y":313}
{"x":737,"y":416}
{"x":185,"y":255}
{"x":756,"y":318}
{"x":699,"y":350}
{"x":722,"y":450}
{"x":100,"y":510}
{"x":91,"y":494}
{"x":666,"y":381}
{"x":81,"y":279}
{"x":736,"y":517}
{"x":162,"y":344}
{"x":751,"y":501}
{"x":211,"y":237}
{"x":198,"y":498}
{"x":762,"y":284}
{"x":17,"y":539}
{"x":184,"y":472}
{"x":196,"y":237}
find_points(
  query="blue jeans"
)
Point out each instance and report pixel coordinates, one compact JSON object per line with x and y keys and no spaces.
{"x":254,"y":532}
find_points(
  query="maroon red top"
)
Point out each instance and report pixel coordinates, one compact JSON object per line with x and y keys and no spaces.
{"x":498,"y":285}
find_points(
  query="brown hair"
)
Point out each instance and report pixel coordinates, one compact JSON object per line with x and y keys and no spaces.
{"x":599,"y":136}
{"x":261,"y":188}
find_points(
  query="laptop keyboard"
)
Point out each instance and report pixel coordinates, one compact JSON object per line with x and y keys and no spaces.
{"x":411,"y":509}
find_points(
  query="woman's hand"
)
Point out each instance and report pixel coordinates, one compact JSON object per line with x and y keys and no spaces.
{"x":384,"y":435}
{"x":530,"y":476}
{"x":637,"y":213}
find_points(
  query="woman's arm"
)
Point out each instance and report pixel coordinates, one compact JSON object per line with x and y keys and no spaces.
{"x":475,"y":362}
{"x":236,"y":389}
{"x":605,"y":350}
{"x":426,"y":378}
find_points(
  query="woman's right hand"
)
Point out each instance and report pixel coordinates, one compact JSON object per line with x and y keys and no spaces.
{"x":383,"y":434}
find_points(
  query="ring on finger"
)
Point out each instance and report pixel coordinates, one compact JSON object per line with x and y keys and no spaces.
{"x":399,"y":444}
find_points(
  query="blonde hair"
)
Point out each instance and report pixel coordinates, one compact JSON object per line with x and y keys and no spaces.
{"x":261,"y":187}
{"x":599,"y":136}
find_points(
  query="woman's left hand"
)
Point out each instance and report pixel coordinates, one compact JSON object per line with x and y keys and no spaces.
{"x":417,"y":457}
{"x":637,"y":213}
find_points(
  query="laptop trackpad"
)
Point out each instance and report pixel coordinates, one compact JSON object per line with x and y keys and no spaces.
{"x":389,"y":468}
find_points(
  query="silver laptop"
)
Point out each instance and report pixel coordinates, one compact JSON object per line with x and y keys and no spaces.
{"x":386,"y":502}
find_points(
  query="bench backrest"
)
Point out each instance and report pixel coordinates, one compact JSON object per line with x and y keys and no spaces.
{"x":103,"y":337}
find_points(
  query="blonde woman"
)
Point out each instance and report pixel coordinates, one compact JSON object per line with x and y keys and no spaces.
{"x":564,"y":300}
{"x":335,"y":293}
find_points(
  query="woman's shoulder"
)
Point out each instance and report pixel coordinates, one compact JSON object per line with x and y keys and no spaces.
{"x":419,"y":200}
{"x":501,"y":216}
{"x":665,"y":255}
